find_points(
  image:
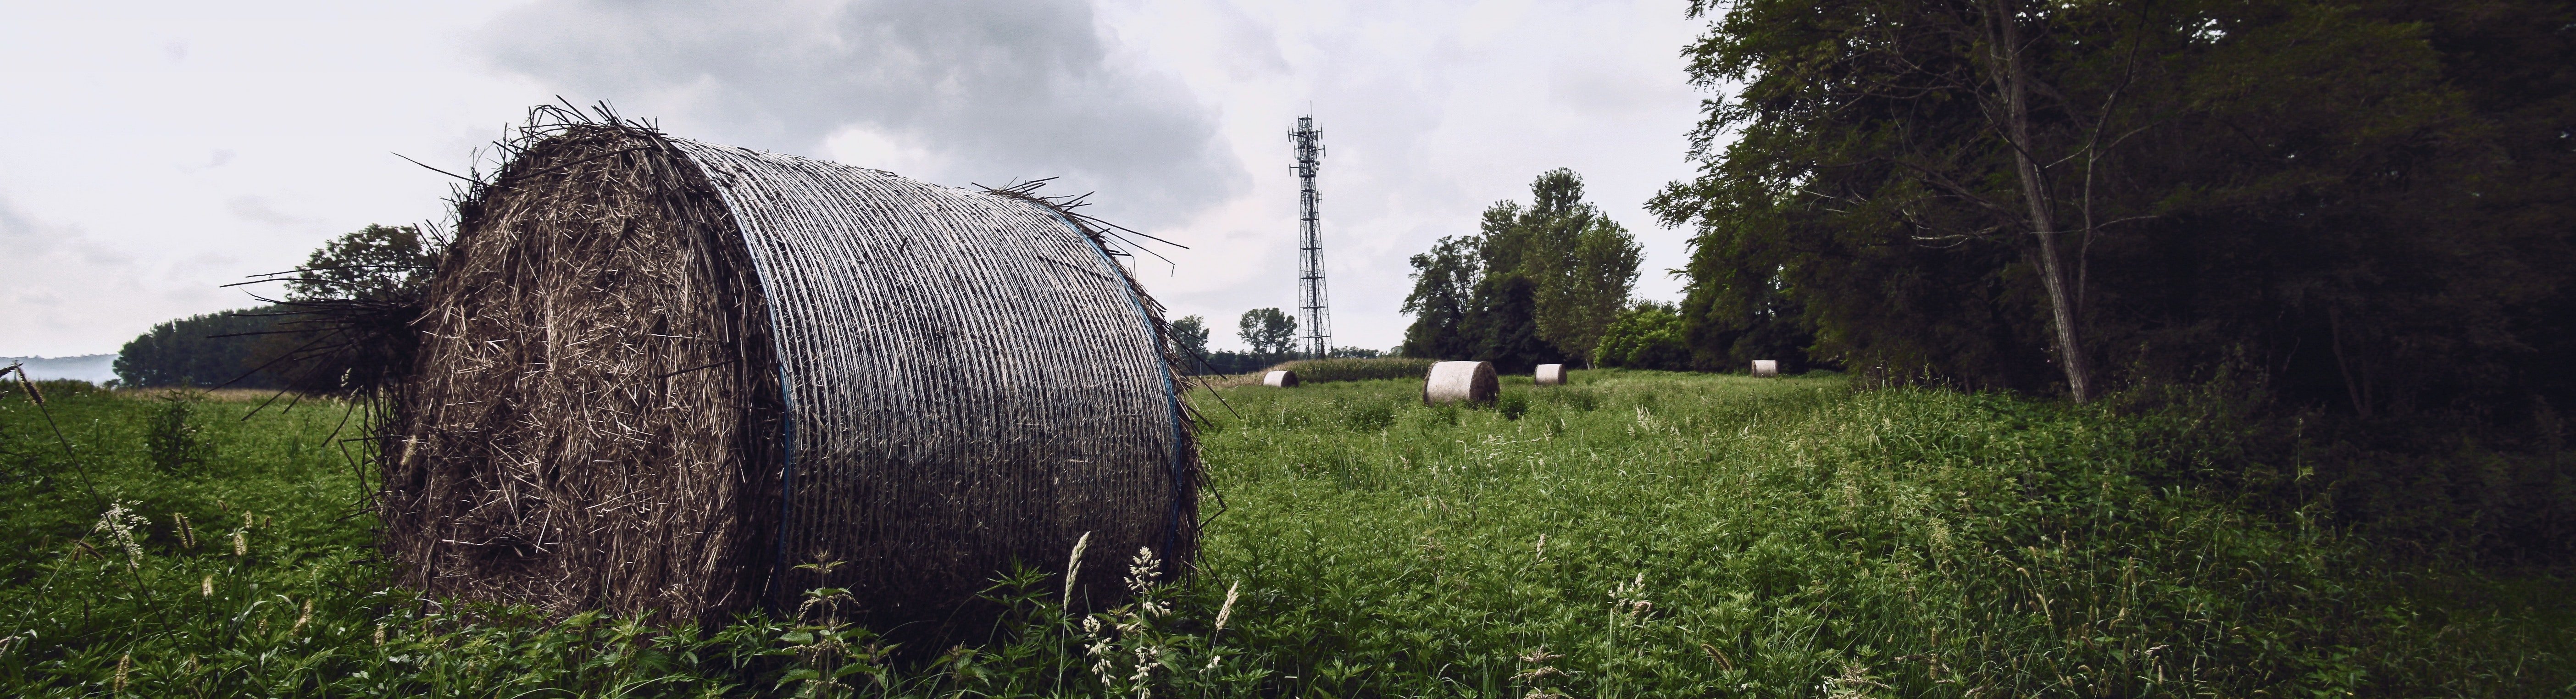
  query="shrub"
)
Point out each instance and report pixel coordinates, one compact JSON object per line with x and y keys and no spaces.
{"x":1647,"y":336}
{"x":176,"y":441}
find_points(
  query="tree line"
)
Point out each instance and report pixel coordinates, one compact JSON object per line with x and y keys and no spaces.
{"x":1538,"y":283}
{"x":328,"y":332}
{"x":1269,"y":334}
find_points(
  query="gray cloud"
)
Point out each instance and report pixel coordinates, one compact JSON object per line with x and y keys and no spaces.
{"x":988,"y":91}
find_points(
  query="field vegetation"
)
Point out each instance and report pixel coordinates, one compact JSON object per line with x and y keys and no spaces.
{"x":1634,"y":534}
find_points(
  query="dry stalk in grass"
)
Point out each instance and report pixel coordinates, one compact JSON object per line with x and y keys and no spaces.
{"x":653,"y":371}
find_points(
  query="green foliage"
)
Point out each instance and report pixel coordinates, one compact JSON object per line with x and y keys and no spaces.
{"x":355,"y":303}
{"x":1444,"y":287}
{"x":216,"y":349}
{"x":176,"y":440}
{"x":1727,"y":536}
{"x":1367,"y":415}
{"x":2368,"y":201}
{"x":1358,"y":369}
{"x":371,"y":263}
{"x":1536,"y":284}
{"x":1645,"y":336}
{"x":1190,"y":335}
{"x":1268,"y":331}
{"x":1638,"y":534}
{"x":1505,"y":323}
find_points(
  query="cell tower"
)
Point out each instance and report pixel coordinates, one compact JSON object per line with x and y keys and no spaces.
{"x":1312,"y":311}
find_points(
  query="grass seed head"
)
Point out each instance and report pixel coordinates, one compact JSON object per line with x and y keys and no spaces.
{"x":125,"y":528}
{"x":1073,"y":568}
{"x":1223,"y":611}
{"x":1143,"y":570}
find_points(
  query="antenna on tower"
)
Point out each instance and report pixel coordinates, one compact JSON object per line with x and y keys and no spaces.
{"x":1312,"y":311}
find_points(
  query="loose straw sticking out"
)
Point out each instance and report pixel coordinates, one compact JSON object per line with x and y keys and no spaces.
{"x":1460,"y":382}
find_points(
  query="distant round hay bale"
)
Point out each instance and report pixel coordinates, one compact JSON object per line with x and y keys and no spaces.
{"x":656,"y":375}
{"x":1766,"y":367}
{"x":1456,"y":382}
{"x":1550,"y":375}
{"x":1280,"y":379}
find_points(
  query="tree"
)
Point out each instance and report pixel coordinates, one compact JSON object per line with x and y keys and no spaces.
{"x":2011,"y":194}
{"x":1268,"y":331}
{"x":1444,"y":284}
{"x":346,"y":322}
{"x":1582,"y":291}
{"x":375,"y":262}
{"x":1506,"y":326}
{"x":1573,"y":266}
{"x":1190,"y":336}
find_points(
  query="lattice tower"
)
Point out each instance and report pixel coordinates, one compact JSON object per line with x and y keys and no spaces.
{"x":1314,"y":314}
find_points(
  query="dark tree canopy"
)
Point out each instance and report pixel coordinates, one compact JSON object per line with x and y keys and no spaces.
{"x":216,"y":349}
{"x":1190,"y":334}
{"x":2368,"y":203}
{"x":352,"y":305}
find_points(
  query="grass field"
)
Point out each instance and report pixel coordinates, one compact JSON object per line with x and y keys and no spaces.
{"x":1636,"y":534}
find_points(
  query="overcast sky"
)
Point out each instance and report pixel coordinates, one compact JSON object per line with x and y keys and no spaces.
{"x":149,"y":153}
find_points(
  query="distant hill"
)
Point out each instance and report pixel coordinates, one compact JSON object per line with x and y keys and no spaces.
{"x":93,"y":368}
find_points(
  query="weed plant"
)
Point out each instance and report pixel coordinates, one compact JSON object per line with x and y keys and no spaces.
{"x":1636,"y":534}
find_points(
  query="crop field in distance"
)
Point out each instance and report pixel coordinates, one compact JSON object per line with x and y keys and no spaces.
{"x":1635,"y":534}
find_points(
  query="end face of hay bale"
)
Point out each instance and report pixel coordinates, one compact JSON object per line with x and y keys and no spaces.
{"x":591,"y":422}
{"x":1550,"y":375}
{"x":1766,"y":367}
{"x":1280,"y":379}
{"x":1461,"y":382}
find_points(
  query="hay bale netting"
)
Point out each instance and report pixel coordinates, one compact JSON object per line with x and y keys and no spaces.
{"x":1280,"y":379}
{"x":1766,"y":367}
{"x":1457,"y":382}
{"x":657,"y":375}
{"x":1549,"y":375}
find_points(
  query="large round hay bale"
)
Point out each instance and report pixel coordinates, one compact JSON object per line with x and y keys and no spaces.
{"x":1766,"y":367}
{"x":1549,"y":375}
{"x":657,"y":375}
{"x":1460,"y":382}
{"x":1280,"y":379}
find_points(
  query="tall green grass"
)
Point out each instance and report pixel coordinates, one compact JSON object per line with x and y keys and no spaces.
{"x":1633,"y":534}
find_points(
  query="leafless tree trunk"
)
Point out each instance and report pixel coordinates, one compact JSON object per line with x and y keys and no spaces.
{"x":2012,"y":82}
